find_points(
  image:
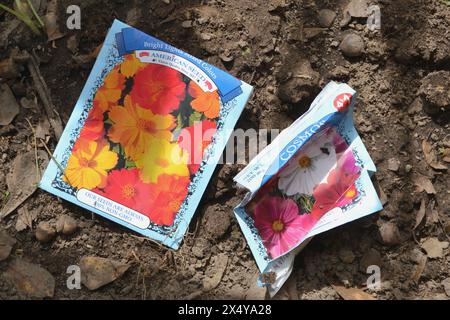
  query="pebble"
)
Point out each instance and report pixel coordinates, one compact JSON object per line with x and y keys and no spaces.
{"x":434,"y":91}
{"x":303,"y":86}
{"x":352,"y":45}
{"x":326,"y":17}
{"x":390,"y":235}
{"x":97,"y":272}
{"x":186,"y":24}
{"x":66,"y":225}
{"x":393,"y":164}
{"x":45,"y":232}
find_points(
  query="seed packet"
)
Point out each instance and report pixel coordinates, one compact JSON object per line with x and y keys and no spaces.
{"x":145,"y":135}
{"x":313,"y":177}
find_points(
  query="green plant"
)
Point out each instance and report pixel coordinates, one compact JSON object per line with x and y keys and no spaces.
{"x":25,"y":12}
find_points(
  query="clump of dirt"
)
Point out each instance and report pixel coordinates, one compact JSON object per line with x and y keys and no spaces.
{"x":287,"y":51}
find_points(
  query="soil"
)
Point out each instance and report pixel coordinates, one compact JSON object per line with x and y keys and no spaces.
{"x":264,"y":43}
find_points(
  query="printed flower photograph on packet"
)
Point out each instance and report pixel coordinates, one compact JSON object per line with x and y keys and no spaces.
{"x":128,"y":150}
{"x":318,"y":178}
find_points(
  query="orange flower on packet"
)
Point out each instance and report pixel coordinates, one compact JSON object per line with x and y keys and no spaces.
{"x":111,"y":91}
{"x":133,"y":127}
{"x":206,"y":102}
{"x":88,"y":168}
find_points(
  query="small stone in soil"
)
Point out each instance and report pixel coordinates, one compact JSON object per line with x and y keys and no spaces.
{"x":6,"y":245}
{"x":302,"y":85}
{"x":390,"y":235}
{"x":326,"y":17}
{"x":97,"y":272}
{"x":45,"y":232}
{"x":393,"y":164}
{"x":352,"y":45}
{"x":66,"y":225}
{"x":434,"y":90}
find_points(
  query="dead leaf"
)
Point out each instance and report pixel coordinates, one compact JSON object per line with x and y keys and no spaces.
{"x":352,"y":293}
{"x":431,"y":156}
{"x":420,"y":214}
{"x":51,"y":21}
{"x":9,"y":108}
{"x":434,"y":248}
{"x":423,"y":183}
{"x":6,"y":245}
{"x":43,"y":128}
{"x":216,"y":271}
{"x":22,"y":180}
{"x":97,"y":272}
{"x":420,"y":268}
{"x":25,"y":219}
{"x":9,"y":69}
{"x":310,"y":33}
{"x":432,"y":214}
{"x":30,"y":279}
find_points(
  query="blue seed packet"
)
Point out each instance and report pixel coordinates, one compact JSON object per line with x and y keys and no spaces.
{"x":146,"y":135}
{"x":313,"y":177}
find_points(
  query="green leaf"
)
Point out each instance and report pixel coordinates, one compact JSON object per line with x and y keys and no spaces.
{"x":129,"y":164}
{"x":305,"y":203}
{"x":195,"y":117}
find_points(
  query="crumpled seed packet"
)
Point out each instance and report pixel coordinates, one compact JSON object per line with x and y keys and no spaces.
{"x":313,"y":177}
{"x":146,"y":135}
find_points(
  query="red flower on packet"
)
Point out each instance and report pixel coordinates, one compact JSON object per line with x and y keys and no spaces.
{"x":158,"y":88}
{"x":124,"y":187}
{"x":165,"y":198}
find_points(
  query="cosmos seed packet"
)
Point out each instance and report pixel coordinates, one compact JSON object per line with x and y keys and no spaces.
{"x":145,"y":135}
{"x":313,"y":177}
